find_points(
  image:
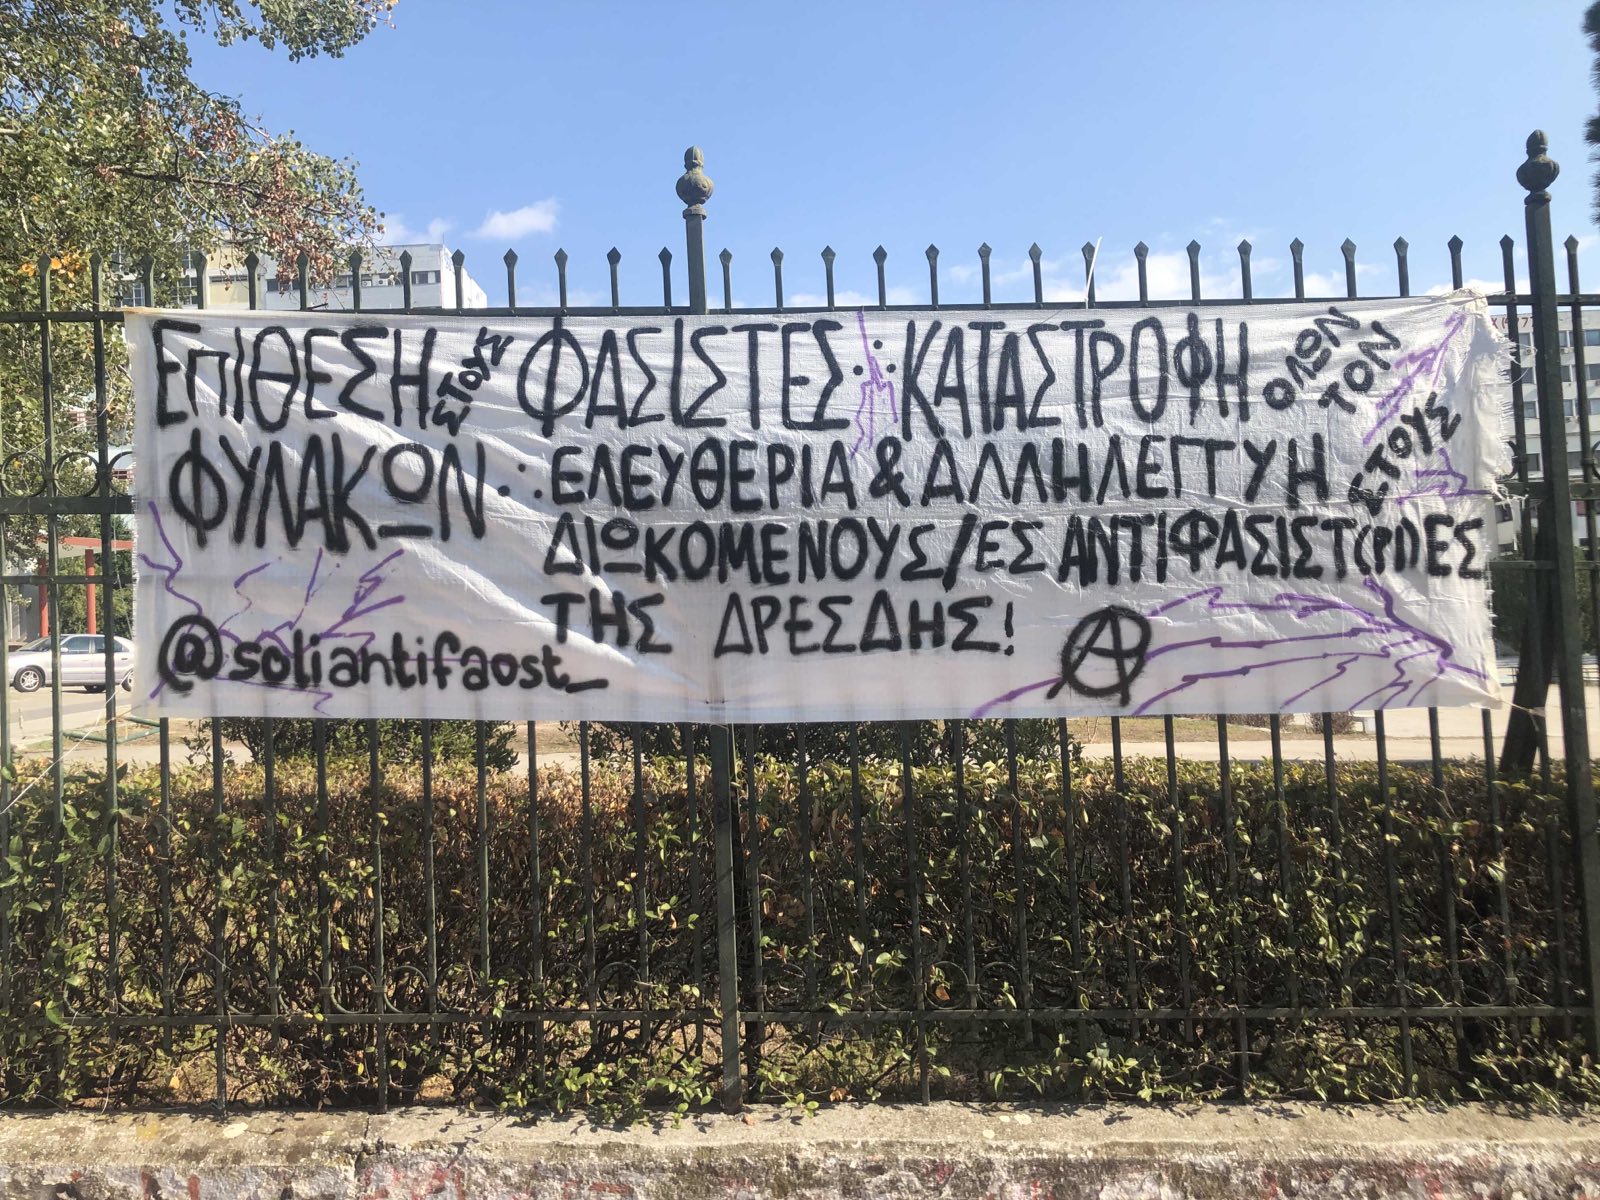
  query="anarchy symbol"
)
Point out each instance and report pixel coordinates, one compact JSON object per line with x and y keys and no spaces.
{"x":1104,"y":654}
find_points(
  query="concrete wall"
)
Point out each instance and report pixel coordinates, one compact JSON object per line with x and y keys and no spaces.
{"x":882,"y":1153}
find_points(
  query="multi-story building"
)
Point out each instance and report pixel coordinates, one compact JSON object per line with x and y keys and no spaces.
{"x":433,"y":282}
{"x":1575,"y":391}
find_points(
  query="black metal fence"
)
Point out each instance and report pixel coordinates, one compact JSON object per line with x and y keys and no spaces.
{"x":783,"y":912}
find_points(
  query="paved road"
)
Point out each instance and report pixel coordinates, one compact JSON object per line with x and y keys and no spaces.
{"x":1461,"y":733}
{"x":83,"y":721}
{"x":29,"y":713}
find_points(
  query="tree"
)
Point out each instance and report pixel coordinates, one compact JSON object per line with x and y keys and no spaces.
{"x":108,"y":148}
{"x":1591,"y":29}
{"x":107,"y":144}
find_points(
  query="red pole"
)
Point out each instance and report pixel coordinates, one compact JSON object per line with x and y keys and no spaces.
{"x":44,"y":601}
{"x":88,"y":569}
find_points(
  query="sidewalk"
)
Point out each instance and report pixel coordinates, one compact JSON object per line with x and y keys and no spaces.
{"x":1407,"y":740}
{"x":882,"y":1152}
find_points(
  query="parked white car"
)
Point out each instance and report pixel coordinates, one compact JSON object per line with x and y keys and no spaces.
{"x":83,"y":663}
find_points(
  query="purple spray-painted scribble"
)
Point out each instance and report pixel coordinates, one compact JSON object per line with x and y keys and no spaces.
{"x":1378,"y":633}
{"x":984,"y":709}
{"x":1413,"y":365}
{"x":170,"y":570}
{"x":875,"y":387}
{"x":1447,"y":482}
{"x":1384,"y":632}
{"x":364,"y":602}
{"x":275,"y":634}
{"x":238,"y":590}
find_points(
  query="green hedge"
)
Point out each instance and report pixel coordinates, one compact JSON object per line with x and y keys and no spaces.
{"x":1273,"y":908}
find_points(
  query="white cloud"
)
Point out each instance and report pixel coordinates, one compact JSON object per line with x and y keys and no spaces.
{"x":849,"y":298}
{"x":397,"y":233}
{"x":1488,"y":287}
{"x":539,"y":217}
{"x":1168,"y":275}
{"x":1332,"y":283}
{"x":1324,"y":283}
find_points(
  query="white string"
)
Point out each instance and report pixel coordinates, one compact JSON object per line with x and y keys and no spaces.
{"x":50,"y":767}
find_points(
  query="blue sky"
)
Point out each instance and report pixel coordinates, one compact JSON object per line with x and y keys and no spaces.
{"x":855,"y":124}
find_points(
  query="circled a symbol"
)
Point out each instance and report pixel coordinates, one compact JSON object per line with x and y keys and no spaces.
{"x":1104,"y":654}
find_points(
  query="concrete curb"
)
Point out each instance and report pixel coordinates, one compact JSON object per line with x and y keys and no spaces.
{"x":946,"y":1150}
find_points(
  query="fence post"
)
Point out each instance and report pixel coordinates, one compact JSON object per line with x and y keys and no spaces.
{"x":1536,"y":175}
{"x":694,"y":189}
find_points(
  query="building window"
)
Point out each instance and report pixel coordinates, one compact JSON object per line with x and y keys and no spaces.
{"x":189,"y":280}
{"x":1533,"y":464}
{"x":1566,"y":339}
{"x":1591,"y":337}
{"x":1566,"y":372}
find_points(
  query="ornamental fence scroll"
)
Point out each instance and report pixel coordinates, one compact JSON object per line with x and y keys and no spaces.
{"x":791,"y":910}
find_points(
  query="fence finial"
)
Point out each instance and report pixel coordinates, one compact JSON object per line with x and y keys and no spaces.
{"x":1540,"y":171}
{"x":694,"y":188}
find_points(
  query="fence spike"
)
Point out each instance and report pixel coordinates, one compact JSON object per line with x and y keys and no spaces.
{"x":777,"y":277}
{"x":356,"y":259}
{"x":1348,"y":249}
{"x":1036,"y":256}
{"x":510,"y":259}
{"x":726,"y":259}
{"x":202,"y":279}
{"x":666,"y":276}
{"x":1194,"y":270}
{"x":561,"y":276}
{"x":933,"y":274}
{"x":1402,"y":268}
{"x":613,"y":257}
{"x":1297,"y":251}
{"x":827,"y":271}
{"x":458,"y":262}
{"x":1455,"y":244}
{"x":879,"y":256}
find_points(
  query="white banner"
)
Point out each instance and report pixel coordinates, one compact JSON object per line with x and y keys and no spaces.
{"x":819,"y":516}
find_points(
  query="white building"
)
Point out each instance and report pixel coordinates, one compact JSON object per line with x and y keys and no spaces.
{"x":433,"y":282}
{"x":1576,"y":391}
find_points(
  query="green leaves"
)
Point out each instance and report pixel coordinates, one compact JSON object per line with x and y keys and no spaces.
{"x":262,"y":902}
{"x":109,"y":149}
